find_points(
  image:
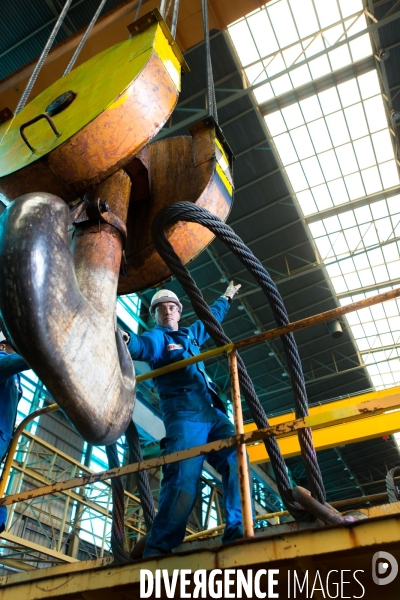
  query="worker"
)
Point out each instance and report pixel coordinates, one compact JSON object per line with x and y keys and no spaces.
{"x":11,"y":364}
{"x":193,"y":415}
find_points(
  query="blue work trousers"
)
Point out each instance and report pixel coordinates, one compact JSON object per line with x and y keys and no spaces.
{"x":179,"y":486}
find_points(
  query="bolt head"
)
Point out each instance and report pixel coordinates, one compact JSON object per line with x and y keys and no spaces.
{"x":395,"y":114}
{"x":383,"y":54}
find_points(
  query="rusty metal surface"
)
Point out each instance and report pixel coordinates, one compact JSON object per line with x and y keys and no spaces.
{"x":289,"y":547}
{"x":60,"y":309}
{"x":324,"y":512}
{"x":243,"y":468}
{"x":279,"y":430}
{"x":105,"y":144}
{"x":123,"y":96}
{"x":37,"y":177}
{"x":116,"y":135}
{"x":174,"y":169}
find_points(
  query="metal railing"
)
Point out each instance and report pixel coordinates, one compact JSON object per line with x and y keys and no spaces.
{"x":240,"y":439}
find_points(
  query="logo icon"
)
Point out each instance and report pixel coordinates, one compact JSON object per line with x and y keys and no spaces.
{"x":381,"y":561}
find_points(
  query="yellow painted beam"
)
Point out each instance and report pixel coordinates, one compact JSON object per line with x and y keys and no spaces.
{"x":6,"y":535}
{"x":336,"y":435}
{"x":284,"y":545}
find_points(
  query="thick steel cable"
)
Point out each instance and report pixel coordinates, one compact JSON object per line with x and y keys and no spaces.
{"x":391,"y":488}
{"x":138,"y":10}
{"x":145,"y":495}
{"x":146,"y":498}
{"x":174,"y":21}
{"x":162,"y":8}
{"x":84,"y":38}
{"x":212,"y":103}
{"x":118,"y":511}
{"x":186,"y":211}
{"x":42,"y":58}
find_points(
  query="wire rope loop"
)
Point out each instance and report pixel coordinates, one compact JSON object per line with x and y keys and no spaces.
{"x":186,"y":211}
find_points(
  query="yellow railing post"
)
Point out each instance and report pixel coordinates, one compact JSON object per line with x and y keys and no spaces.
{"x":243,"y":467}
{"x":15,"y":440}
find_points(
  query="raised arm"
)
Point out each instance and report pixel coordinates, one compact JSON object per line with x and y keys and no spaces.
{"x":219,"y":309}
{"x":11,"y":364}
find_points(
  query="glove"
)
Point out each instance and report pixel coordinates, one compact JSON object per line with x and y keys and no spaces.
{"x":125,"y":336}
{"x":231,"y":290}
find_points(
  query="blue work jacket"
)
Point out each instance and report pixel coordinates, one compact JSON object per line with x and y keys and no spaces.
{"x":187,"y":393}
{"x":10,"y":395}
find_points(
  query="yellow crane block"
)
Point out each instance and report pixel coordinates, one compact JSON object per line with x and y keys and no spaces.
{"x":335,"y":435}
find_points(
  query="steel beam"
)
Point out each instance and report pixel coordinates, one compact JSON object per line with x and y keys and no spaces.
{"x":6,"y":535}
{"x":318,"y":85}
{"x":282,"y":546}
{"x":252,"y":88}
{"x":353,"y":204}
{"x":336,"y":435}
{"x":321,"y":419}
{"x":370,"y":288}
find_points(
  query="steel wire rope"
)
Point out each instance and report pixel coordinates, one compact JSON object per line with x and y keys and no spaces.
{"x":212,"y":103}
{"x":84,"y":38}
{"x":138,"y":10}
{"x":118,"y":510}
{"x":162,"y":8}
{"x":42,"y":58}
{"x":174,"y":21}
{"x":145,"y":495}
{"x":187,"y":211}
{"x":391,"y":488}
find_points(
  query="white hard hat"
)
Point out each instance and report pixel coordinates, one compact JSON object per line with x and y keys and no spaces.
{"x":164,"y":296}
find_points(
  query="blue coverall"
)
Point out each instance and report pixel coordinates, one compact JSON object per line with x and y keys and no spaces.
{"x":10,"y":394}
{"x":193,"y":415}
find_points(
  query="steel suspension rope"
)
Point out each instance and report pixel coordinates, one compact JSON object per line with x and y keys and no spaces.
{"x":138,"y":10}
{"x":162,"y":8}
{"x":212,"y":103}
{"x":186,"y":211}
{"x":42,"y":58}
{"x":118,"y":511}
{"x":174,"y":21}
{"x":391,"y":488}
{"x":145,"y":495}
{"x":84,"y":38}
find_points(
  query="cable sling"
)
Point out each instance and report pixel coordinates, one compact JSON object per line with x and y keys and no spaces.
{"x":145,"y":495}
{"x":186,"y":211}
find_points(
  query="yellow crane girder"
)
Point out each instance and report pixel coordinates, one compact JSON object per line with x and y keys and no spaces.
{"x":329,"y":436}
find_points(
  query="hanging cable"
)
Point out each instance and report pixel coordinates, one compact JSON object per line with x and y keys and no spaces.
{"x":174,"y":21}
{"x":391,"y":488}
{"x":138,"y":10}
{"x":212,"y":104}
{"x":162,"y":8}
{"x":145,"y":495}
{"x":84,"y":38}
{"x":118,"y":510}
{"x":42,"y":58}
{"x":186,"y":211}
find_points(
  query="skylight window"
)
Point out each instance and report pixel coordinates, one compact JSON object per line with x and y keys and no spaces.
{"x":336,"y":148}
{"x":344,"y":151}
{"x":290,"y":32}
